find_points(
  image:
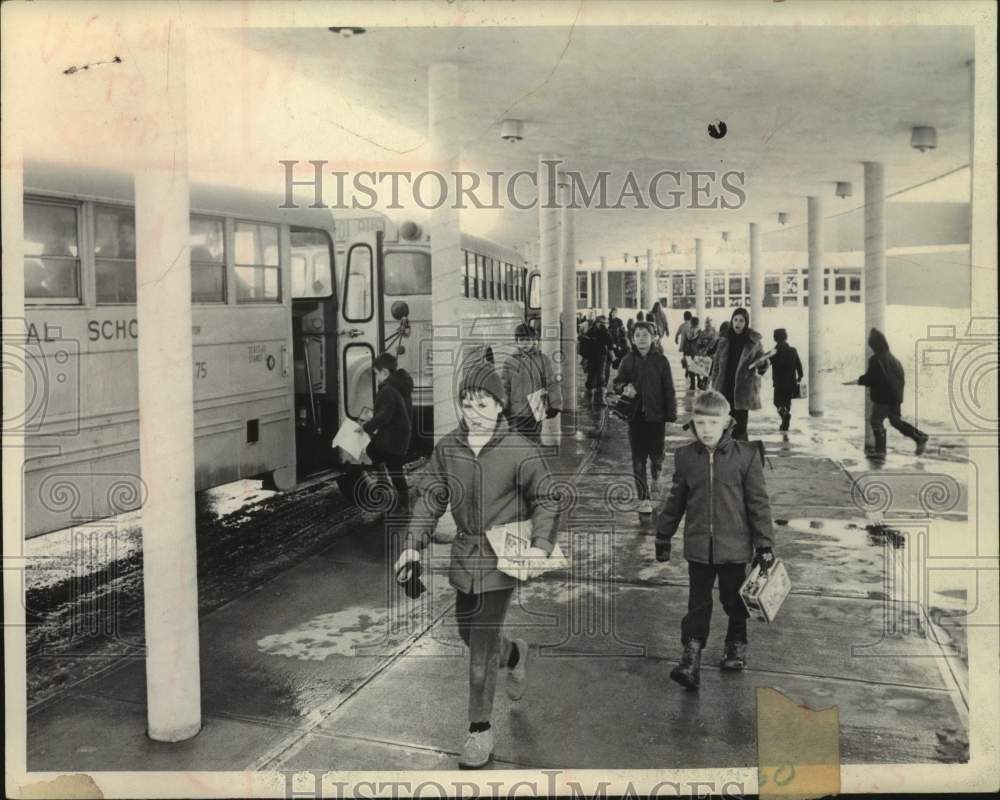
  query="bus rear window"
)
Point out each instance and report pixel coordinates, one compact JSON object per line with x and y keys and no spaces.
{"x":407,"y":273}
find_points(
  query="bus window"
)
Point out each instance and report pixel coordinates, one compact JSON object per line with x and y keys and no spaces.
{"x":51,"y":253}
{"x":359,"y":380}
{"x":358,"y":289}
{"x":535,"y":292}
{"x":407,"y":273}
{"x":480,"y":277}
{"x":311,"y":273}
{"x":208,"y":261}
{"x":114,"y":251}
{"x":258,"y":271}
{"x":467,"y":275}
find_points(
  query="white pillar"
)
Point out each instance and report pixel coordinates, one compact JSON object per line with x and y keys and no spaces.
{"x":756,"y":280}
{"x":605,"y":300}
{"x":816,"y":306}
{"x":638,"y":291}
{"x":548,"y":266}
{"x":699,"y":280}
{"x":874,"y":266}
{"x":651,"y":297}
{"x":567,"y":267}
{"x":444,"y":135}
{"x":166,"y":401}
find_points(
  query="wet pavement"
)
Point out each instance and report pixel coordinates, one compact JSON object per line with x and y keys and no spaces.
{"x":321,"y":663}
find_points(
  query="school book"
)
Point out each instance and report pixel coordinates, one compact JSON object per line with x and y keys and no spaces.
{"x":511,"y":541}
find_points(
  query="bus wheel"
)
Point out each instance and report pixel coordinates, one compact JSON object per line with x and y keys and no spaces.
{"x":279,"y":480}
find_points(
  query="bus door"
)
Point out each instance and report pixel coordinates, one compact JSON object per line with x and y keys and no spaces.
{"x":315,"y":319}
{"x":360,"y":330}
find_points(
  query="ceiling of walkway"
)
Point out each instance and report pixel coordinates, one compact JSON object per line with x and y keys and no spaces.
{"x":804,"y":107}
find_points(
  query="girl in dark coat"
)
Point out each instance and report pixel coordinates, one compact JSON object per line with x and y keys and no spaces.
{"x":786,"y":374}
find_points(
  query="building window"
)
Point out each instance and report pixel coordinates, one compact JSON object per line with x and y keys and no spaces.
{"x":208,"y":261}
{"x":581,"y":290}
{"x":51,"y":253}
{"x":114,"y":254}
{"x":258,"y":270}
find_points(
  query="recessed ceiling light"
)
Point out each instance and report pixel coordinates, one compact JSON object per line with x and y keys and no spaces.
{"x":347,"y":33}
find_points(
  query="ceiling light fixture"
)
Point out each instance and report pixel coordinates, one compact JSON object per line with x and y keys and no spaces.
{"x":844,"y":189}
{"x":782,"y":217}
{"x":347,"y":33}
{"x":512,"y":130}
{"x":923,"y":138}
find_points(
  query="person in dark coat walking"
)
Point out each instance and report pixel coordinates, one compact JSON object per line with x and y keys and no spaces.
{"x":390,"y":425}
{"x":718,"y":488}
{"x":736,"y":370}
{"x":885,"y":380}
{"x":786,"y":372}
{"x":526,"y":372}
{"x":644,"y":375}
{"x":596,"y":347}
{"x":491,"y":476}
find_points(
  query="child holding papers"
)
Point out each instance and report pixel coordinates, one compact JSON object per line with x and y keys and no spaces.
{"x":491,"y":476}
{"x":531,"y":384}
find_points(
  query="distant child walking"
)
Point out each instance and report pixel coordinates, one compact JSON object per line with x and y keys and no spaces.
{"x":718,"y":485}
{"x":491,"y":476}
{"x":644,"y":375}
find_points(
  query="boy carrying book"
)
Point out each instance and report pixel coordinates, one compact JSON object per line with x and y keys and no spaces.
{"x":491,"y":476}
{"x":718,"y":487}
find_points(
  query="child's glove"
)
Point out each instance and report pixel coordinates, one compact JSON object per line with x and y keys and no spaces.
{"x":663,"y":551}
{"x":764,"y":558}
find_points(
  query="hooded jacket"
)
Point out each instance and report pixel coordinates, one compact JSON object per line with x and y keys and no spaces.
{"x":723,"y":499}
{"x":654,"y":385}
{"x":390,"y":425}
{"x":746,"y":392}
{"x":786,"y":370}
{"x":885,"y":377}
{"x":508,"y":481}
{"x":522,"y":374}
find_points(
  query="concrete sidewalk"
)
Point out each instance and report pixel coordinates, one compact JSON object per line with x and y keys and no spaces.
{"x":329,"y":667}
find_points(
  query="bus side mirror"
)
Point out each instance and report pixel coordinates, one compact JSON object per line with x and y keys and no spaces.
{"x":399,"y":310}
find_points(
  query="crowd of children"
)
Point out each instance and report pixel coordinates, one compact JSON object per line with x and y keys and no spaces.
{"x":491,"y":471}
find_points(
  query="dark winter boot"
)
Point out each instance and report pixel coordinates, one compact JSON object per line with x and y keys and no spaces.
{"x":786,"y":418}
{"x":921,"y":443}
{"x":734,"y":657}
{"x":688,"y":672}
{"x":879,"y":452}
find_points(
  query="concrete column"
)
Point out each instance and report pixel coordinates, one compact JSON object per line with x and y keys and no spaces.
{"x":604,"y":286}
{"x":651,"y":293}
{"x":548,"y":266}
{"x":639,"y":281}
{"x":166,"y":400}
{"x":444,"y":136}
{"x":756,"y":280}
{"x":816,"y":306}
{"x":699,"y":280}
{"x":874,"y":266}
{"x":568,"y":269}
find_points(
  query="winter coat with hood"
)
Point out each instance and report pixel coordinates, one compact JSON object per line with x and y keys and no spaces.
{"x":525,"y":372}
{"x":885,"y":377}
{"x":722,"y":498}
{"x":508,"y":481}
{"x":746,"y":392}
{"x":786,"y":370}
{"x":390,"y":425}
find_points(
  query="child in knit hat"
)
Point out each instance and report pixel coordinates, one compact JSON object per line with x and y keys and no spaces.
{"x":491,"y":476}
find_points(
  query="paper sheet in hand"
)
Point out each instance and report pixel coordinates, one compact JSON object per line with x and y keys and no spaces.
{"x":510,"y":541}
{"x":537,"y":402}
{"x":352,"y":439}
